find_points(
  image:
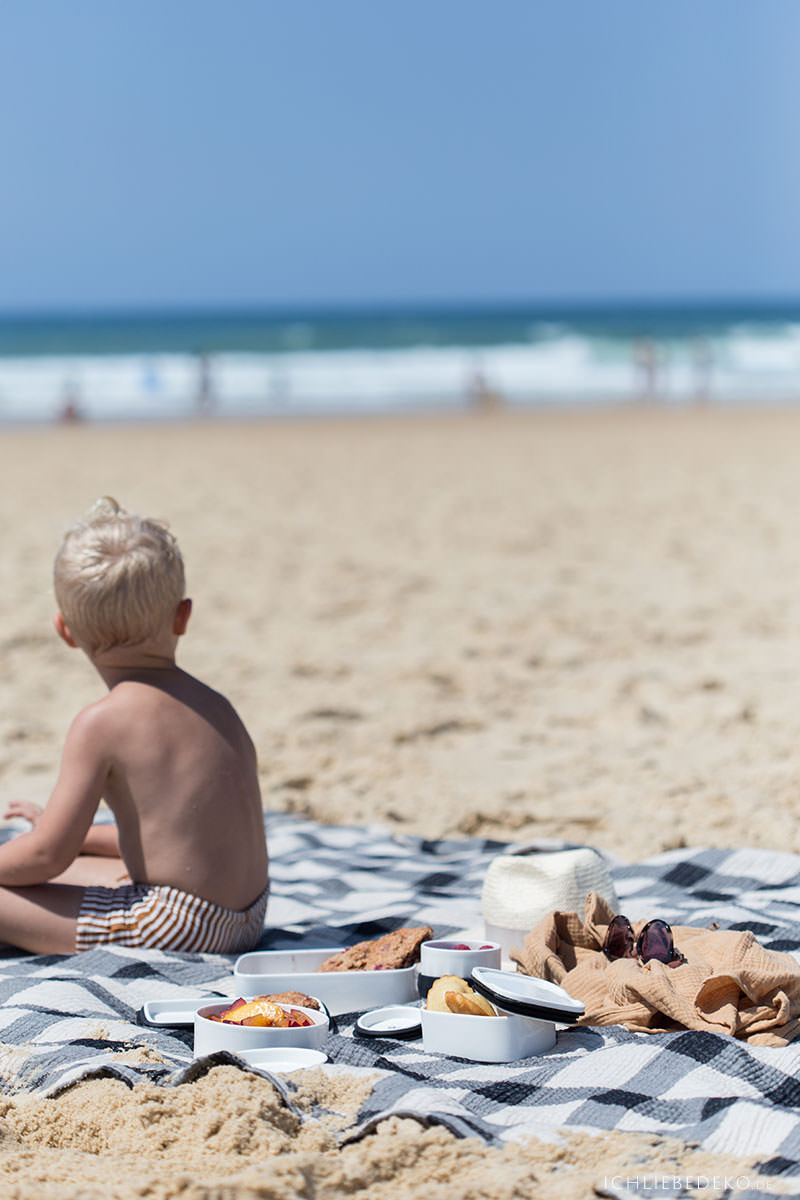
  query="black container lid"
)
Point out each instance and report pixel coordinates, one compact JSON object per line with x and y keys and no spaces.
{"x":526,"y":996}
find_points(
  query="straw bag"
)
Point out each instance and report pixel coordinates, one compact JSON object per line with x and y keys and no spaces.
{"x":527,"y":883}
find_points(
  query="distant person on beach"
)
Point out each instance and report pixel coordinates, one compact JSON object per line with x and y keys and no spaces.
{"x":205,"y":390}
{"x":69,"y":412}
{"x":185,"y":866}
{"x":702,"y":364}
{"x":645,"y":363}
{"x":481,"y":397}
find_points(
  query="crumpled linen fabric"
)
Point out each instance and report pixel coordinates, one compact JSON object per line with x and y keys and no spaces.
{"x":729,"y":984}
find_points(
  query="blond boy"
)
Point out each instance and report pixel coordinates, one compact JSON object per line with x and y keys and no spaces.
{"x":185,"y":867}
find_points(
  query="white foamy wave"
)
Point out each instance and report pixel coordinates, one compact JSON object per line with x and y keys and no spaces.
{"x":749,"y":351}
{"x":743,"y":364}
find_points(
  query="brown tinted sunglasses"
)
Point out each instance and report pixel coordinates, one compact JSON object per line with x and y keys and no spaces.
{"x":654,"y":942}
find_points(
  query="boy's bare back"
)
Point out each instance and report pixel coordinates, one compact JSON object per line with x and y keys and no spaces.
{"x":180,"y":776}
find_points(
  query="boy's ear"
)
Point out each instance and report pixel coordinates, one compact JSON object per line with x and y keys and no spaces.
{"x":63,"y":632}
{"x":182,"y":614}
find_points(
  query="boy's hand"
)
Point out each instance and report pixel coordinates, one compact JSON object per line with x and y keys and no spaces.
{"x":24,"y":808}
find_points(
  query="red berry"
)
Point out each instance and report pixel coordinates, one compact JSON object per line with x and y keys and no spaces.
{"x":461,"y":946}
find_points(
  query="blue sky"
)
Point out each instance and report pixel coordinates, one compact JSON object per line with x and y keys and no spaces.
{"x":173,"y":152}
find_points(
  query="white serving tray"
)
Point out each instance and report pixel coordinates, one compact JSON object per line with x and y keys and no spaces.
{"x":178,"y":1011}
{"x":341,"y":991}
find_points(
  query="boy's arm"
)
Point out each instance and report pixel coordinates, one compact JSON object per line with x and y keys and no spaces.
{"x":59,"y":834}
{"x":100,"y":839}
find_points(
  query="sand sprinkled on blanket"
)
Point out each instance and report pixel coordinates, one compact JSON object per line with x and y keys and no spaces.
{"x":229,"y":1134}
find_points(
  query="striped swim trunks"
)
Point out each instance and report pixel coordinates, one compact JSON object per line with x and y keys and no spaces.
{"x":157,"y":917}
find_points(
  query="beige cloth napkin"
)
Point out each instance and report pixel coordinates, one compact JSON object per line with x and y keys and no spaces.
{"x":730,"y":984}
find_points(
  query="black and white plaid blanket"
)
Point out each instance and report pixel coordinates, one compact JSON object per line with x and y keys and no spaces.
{"x":65,"y":1017}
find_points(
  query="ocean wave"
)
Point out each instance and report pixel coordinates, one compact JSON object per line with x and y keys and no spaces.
{"x":560,"y":365}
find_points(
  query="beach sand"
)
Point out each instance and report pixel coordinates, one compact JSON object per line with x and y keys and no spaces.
{"x":578,"y":624}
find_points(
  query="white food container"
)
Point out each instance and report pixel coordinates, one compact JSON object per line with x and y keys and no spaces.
{"x":210,"y":1036}
{"x":528,"y":1010}
{"x":441,"y":957}
{"x":341,"y":991}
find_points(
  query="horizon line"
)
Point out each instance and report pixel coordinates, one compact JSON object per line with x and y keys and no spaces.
{"x":380,"y":308}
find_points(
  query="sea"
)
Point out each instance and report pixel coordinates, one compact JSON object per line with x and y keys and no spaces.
{"x":151,"y":365}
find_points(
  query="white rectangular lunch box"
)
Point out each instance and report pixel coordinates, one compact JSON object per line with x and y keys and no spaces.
{"x":527,"y":1012}
{"x":342,"y":991}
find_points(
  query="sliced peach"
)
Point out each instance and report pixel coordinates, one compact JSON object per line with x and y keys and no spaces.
{"x":223,"y":1016}
{"x":245,"y":1013}
{"x":298,"y":1020}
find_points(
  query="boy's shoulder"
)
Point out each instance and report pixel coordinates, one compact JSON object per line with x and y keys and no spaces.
{"x":92,"y":729}
{"x":99,"y":713}
{"x":133,"y":701}
{"x":107,"y":713}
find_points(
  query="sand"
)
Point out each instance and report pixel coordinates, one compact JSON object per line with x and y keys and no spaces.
{"x":571,"y":624}
{"x":228,"y":1136}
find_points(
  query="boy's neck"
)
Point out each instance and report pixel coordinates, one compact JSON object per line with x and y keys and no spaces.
{"x":133,"y":662}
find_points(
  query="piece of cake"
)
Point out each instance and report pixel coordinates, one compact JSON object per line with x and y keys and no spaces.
{"x":388,"y":953}
{"x":299,"y":998}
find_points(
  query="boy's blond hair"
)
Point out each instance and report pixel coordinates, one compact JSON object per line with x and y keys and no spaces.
{"x":118,"y":577}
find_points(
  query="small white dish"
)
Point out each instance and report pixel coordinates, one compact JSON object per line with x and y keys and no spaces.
{"x":392,"y":1021}
{"x":210,"y":1036}
{"x":341,"y":991}
{"x":279,"y":1059}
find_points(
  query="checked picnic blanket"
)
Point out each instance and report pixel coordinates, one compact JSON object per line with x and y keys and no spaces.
{"x":63,"y":1018}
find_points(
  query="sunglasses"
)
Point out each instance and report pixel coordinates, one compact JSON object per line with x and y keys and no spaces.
{"x":654,"y":942}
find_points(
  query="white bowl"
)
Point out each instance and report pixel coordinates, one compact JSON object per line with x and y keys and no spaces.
{"x":504,"y":1038}
{"x":280,"y":1061}
{"x":210,"y":1036}
{"x":439,"y":957}
{"x":341,"y":991}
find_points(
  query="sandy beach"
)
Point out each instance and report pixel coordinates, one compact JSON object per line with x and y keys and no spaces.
{"x":579,"y":624}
